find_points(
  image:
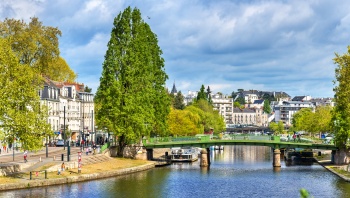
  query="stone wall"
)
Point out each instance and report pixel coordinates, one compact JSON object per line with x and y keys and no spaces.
{"x":72,"y":179}
{"x":9,"y":168}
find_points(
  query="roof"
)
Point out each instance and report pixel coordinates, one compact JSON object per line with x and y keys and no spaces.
{"x":298,"y":98}
{"x":245,"y":110}
{"x":259,"y":101}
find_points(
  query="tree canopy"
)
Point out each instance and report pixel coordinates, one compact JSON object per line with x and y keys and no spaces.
{"x":23,"y":119}
{"x":179,"y":101}
{"x":132,"y":99}
{"x":341,"y":113}
{"x":267,"y":107}
{"x":37,"y":46}
{"x":278,"y":128}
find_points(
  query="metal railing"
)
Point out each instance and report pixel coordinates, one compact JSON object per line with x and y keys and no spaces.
{"x":105,"y":146}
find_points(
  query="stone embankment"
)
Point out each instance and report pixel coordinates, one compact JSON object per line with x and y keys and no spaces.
{"x":19,"y":171}
{"x":326,"y":163}
{"x":77,"y":178}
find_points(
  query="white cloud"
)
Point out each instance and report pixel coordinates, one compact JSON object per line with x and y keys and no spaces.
{"x":272,"y":45}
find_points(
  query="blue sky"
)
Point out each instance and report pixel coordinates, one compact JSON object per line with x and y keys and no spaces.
{"x":285,"y":45}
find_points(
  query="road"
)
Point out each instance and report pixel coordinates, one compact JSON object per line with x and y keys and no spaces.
{"x":35,"y":156}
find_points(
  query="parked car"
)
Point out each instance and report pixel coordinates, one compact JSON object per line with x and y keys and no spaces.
{"x":60,"y":143}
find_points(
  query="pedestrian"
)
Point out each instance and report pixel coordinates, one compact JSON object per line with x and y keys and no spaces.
{"x":294,"y":136}
{"x":63,"y":167}
{"x":87,"y":151}
{"x":94,"y":147}
{"x":25,"y":156}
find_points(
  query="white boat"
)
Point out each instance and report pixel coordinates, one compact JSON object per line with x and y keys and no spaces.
{"x":184,"y":154}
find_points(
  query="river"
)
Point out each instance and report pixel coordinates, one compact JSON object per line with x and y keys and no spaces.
{"x":238,"y":171}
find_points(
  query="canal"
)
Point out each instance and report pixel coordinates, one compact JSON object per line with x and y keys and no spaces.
{"x":238,"y":171}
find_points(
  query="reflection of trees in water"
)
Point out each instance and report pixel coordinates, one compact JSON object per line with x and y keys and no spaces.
{"x":247,"y":153}
{"x":149,"y":183}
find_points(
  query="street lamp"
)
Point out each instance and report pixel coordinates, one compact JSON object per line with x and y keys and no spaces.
{"x":95,"y":135}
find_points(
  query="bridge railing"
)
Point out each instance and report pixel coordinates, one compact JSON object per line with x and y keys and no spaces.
{"x":208,"y":138}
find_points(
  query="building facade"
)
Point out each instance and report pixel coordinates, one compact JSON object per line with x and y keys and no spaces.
{"x":224,"y":105}
{"x":284,"y":112}
{"x":70,"y":110}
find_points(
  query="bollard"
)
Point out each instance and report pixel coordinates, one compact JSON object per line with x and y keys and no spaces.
{"x":30,"y":175}
{"x":45,"y":174}
{"x":62,"y":157}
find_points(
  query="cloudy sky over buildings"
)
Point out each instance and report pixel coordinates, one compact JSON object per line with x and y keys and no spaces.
{"x":282,"y":45}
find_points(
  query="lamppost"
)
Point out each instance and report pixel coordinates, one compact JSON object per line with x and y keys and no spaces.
{"x":95,"y":135}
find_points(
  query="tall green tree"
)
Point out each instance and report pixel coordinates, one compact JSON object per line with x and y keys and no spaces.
{"x":23,"y":119}
{"x":341,"y":112}
{"x":132,"y":98}
{"x":267,"y":107}
{"x":209,"y":96}
{"x":202,"y":94}
{"x":179,"y":101}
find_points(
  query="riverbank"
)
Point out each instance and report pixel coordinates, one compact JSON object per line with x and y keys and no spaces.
{"x":340,"y":170}
{"x":111,"y":168}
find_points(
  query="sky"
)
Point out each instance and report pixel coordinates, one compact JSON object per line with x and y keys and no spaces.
{"x":267,"y":45}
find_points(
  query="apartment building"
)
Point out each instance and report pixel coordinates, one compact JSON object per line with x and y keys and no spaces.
{"x":70,"y":109}
{"x":286,"y":109}
{"x":224,"y":105}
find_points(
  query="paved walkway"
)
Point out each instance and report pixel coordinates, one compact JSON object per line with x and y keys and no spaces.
{"x":38,"y":159}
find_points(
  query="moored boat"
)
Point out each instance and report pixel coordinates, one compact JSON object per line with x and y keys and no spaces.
{"x":184,"y":154}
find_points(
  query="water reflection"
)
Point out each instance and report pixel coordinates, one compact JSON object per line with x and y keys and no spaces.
{"x":237,"y":171}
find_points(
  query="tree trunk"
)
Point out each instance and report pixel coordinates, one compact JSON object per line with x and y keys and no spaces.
{"x":342,"y":156}
{"x":121,"y":146}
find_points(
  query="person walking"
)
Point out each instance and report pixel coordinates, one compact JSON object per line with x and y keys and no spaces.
{"x":87,"y":151}
{"x":25,"y":156}
{"x":294,"y":136}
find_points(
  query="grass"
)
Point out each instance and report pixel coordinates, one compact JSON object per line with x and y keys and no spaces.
{"x":113,"y":164}
{"x":340,"y":171}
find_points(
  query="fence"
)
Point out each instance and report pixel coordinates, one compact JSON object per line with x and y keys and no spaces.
{"x":38,"y":174}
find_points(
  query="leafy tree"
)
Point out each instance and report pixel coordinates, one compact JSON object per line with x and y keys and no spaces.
{"x":278,"y":128}
{"x":22,"y":117}
{"x":184,"y":123}
{"x":210,"y":118}
{"x":236,"y":104}
{"x":267,"y":107}
{"x":201,"y":94}
{"x":179,"y":101}
{"x":209,"y":95}
{"x":234,"y":94}
{"x":323,"y":118}
{"x":341,"y":112}
{"x":59,"y":70}
{"x":269,"y":97}
{"x":303,"y":120}
{"x":132,"y":99}
{"x":240,"y":100}
{"x":314,"y":122}
{"x":87,"y":89}
{"x":37,"y":46}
